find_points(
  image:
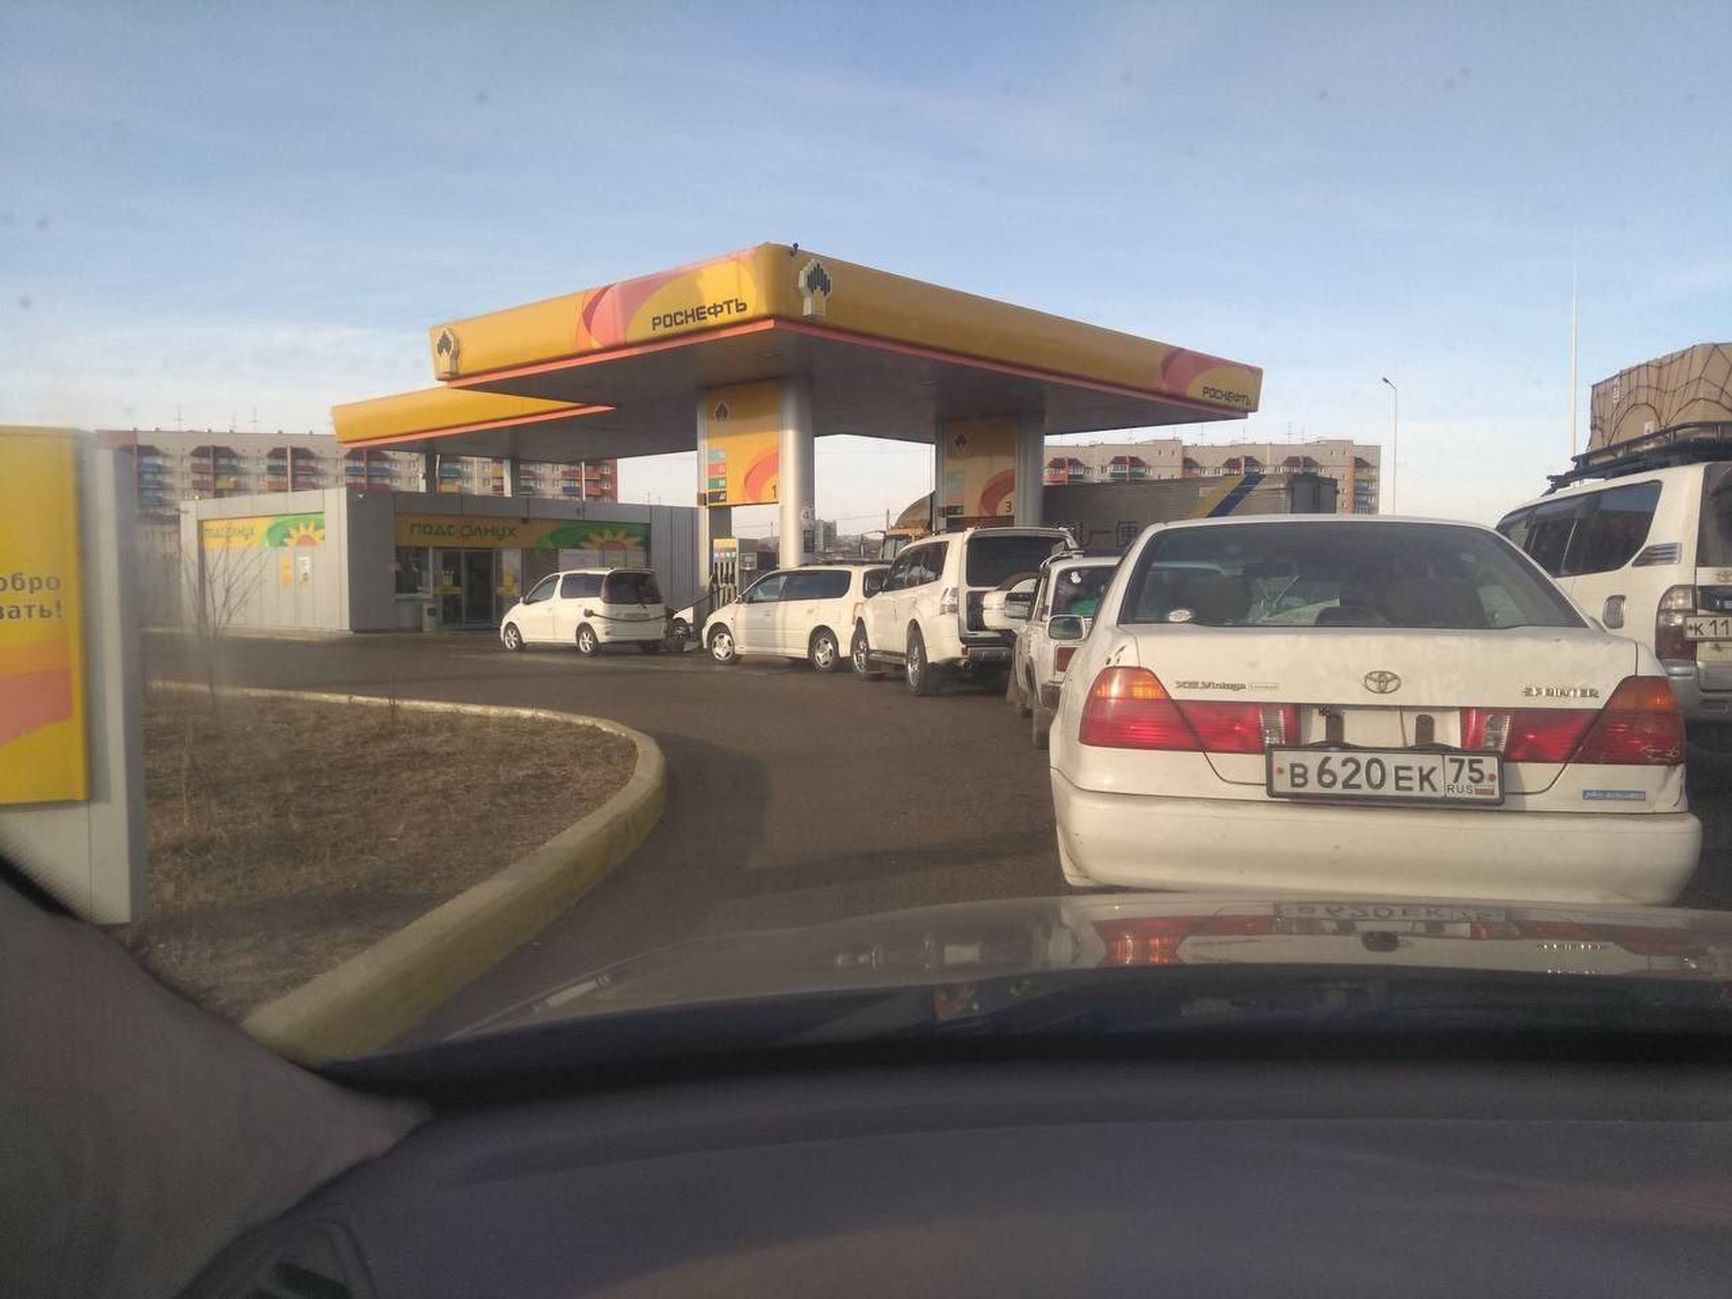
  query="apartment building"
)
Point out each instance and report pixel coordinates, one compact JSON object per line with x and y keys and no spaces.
{"x":1353,"y":465}
{"x":171,"y":466}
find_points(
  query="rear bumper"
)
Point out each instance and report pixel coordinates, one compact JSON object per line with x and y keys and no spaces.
{"x":613,"y":630}
{"x":1194,"y":843}
{"x":1697,"y":704}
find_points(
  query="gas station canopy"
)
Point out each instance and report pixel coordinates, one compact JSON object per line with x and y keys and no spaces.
{"x":615,"y":371}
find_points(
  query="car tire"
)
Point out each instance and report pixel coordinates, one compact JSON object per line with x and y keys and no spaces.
{"x":1025,"y":705}
{"x":823,"y":653}
{"x":860,"y":656}
{"x":650,"y":646}
{"x":1040,"y":726}
{"x":587,"y":642}
{"x":1013,"y":691}
{"x":679,"y":634}
{"x":922,"y":677}
{"x":513,"y":638}
{"x":721,"y":647}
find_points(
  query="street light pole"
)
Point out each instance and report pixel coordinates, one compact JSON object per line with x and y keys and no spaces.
{"x":1394,"y":440}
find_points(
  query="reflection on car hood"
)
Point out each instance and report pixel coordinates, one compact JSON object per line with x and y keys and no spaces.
{"x":985,"y":940}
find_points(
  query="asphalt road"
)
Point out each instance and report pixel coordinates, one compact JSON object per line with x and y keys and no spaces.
{"x":792,"y":798}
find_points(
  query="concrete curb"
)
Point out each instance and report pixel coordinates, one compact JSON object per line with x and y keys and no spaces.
{"x":377,"y":995}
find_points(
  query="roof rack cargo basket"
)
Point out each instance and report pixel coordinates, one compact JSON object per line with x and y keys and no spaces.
{"x":1681,"y":444}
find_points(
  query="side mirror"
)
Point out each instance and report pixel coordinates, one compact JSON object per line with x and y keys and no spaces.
{"x":1064,"y":626}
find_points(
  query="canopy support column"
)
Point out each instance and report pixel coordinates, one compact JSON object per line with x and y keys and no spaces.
{"x":1030,"y":466}
{"x":796,"y":486}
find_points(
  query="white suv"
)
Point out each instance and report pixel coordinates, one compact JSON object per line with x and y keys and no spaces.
{"x":1649,"y":554}
{"x":928,"y":617}
{"x":793,"y":613}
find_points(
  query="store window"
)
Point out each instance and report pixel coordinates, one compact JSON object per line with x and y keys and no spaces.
{"x":414,"y":577}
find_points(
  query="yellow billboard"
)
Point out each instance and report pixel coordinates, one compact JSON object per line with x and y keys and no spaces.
{"x":43,"y":757}
{"x":979,"y":469}
{"x":743,"y":444}
{"x":263,"y":531}
{"x":602,"y":542}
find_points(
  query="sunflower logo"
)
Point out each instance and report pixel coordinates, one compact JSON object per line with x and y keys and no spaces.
{"x":304,"y":533}
{"x":613,"y":544}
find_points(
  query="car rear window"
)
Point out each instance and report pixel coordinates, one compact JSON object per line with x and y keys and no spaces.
{"x":992,"y":559}
{"x":1714,"y":537}
{"x":1078,"y":591}
{"x":631,"y":588}
{"x":1340,"y":575}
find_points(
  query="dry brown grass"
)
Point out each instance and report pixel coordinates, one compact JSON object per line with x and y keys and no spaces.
{"x":286,"y":836}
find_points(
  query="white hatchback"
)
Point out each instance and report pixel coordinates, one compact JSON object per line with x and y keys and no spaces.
{"x":1349,"y":705}
{"x":589,"y":608}
{"x":796,"y":613}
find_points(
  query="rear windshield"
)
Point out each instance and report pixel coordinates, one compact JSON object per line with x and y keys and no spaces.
{"x":631,"y":588}
{"x":992,"y":559}
{"x":1078,"y":591}
{"x":1340,"y":575}
{"x":1714,"y":541}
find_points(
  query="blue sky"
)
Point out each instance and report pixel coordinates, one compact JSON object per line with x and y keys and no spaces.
{"x":233,"y":211}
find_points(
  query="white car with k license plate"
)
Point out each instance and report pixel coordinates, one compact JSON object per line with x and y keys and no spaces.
{"x":1337,"y":704}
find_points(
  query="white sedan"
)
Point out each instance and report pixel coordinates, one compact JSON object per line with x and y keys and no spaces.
{"x":1352,"y":705}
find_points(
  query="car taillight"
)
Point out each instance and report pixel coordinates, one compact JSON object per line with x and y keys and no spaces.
{"x":1526,"y":734}
{"x":1062,"y":656}
{"x":1639,"y":726}
{"x":1155,"y":940}
{"x":1669,"y":639}
{"x":1641,"y":940}
{"x":947,"y":600}
{"x":1129,"y":708}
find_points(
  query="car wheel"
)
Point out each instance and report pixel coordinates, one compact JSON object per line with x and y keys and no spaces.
{"x":860,"y":654}
{"x":1013,"y":691}
{"x":722,"y":646}
{"x":1025,"y":705}
{"x":1040,"y":728}
{"x":587,"y":644}
{"x":824,"y":654}
{"x":513,"y":637}
{"x":680,"y":633}
{"x":650,"y":646}
{"x":922,"y":676}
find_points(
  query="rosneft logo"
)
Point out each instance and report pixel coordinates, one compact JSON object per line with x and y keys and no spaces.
{"x":445,"y":354}
{"x":814,"y":285}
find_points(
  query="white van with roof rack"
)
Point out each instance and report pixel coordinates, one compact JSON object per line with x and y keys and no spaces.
{"x":1649,"y":554}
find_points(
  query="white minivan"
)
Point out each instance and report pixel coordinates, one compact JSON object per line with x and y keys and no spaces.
{"x":589,"y":608}
{"x":1649,"y":555}
{"x":796,"y":613}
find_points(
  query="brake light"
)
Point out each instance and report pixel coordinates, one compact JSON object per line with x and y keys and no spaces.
{"x":1640,"y":725}
{"x":1640,"y":940}
{"x":1129,"y":708}
{"x":1526,"y":734}
{"x":1669,"y":639}
{"x":947,"y":600}
{"x":1062,"y":656}
{"x":1155,"y":940}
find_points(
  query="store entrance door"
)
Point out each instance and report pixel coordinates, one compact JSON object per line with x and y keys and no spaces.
{"x":478,"y":588}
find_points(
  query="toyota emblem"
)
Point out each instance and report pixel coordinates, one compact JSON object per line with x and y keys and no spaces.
{"x":1382,"y":683}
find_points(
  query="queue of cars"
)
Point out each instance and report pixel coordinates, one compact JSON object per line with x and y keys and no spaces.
{"x":1321,"y":704}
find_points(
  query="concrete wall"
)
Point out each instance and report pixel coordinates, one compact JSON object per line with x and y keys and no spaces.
{"x":91,"y":855}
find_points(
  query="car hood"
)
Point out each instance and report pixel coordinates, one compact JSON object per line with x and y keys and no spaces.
{"x":984,"y":940}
